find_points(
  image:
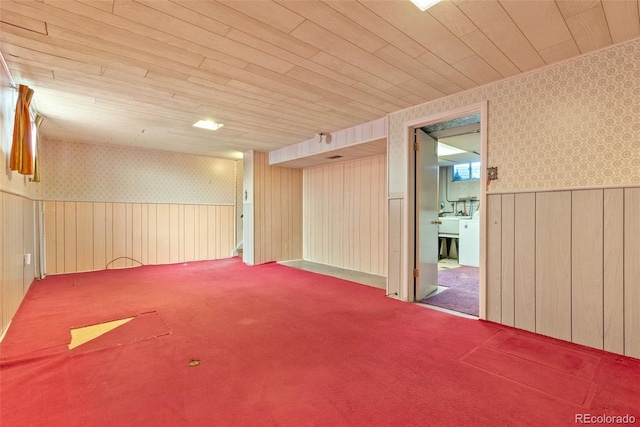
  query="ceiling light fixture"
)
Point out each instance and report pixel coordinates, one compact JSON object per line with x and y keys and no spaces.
{"x":208,"y":124}
{"x":425,"y":4}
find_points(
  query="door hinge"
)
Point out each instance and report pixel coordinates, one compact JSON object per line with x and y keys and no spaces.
{"x":416,"y":272}
{"x":416,"y":146}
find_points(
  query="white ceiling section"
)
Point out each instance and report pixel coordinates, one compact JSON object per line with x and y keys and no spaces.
{"x":141,"y":73}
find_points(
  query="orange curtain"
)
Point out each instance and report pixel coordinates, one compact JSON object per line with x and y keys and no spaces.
{"x":22,"y":146}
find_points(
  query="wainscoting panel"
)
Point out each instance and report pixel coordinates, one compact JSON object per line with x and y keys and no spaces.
{"x":632,"y":272}
{"x":614,"y":270}
{"x":394,"y":277}
{"x":17,"y":215}
{"x":85,"y":236}
{"x":553,"y":264}
{"x":494,"y":258}
{"x":345,"y":215}
{"x":524,"y":248}
{"x":586,"y":268}
{"x":277,"y":216}
{"x":574,"y":267}
{"x":508,"y":261}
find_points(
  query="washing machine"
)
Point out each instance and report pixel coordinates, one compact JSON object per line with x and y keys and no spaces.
{"x":469,"y":242}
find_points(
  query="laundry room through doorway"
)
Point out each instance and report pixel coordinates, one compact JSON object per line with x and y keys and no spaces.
{"x":459,"y":170}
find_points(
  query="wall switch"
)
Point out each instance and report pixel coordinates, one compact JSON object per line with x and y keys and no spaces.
{"x":27,"y":259}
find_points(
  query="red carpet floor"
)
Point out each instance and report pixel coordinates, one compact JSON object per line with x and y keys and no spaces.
{"x":284,"y":347}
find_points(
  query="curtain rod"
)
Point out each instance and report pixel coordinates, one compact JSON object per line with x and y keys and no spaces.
{"x":12,"y":83}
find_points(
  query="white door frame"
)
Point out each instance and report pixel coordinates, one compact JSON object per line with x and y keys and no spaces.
{"x":409,"y":223}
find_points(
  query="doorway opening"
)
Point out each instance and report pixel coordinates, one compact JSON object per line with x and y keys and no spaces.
{"x":449,"y":227}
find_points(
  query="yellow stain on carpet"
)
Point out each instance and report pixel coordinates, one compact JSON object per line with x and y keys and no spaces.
{"x":85,"y":334}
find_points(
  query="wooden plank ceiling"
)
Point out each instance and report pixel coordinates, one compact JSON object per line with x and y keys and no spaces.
{"x":140,"y":73}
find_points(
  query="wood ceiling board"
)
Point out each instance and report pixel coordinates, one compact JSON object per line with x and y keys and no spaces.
{"x":363,"y":76}
{"x":490,"y":53}
{"x":93,"y":22}
{"x":49,"y":60}
{"x":30,"y":69}
{"x":38,"y":42}
{"x":541,"y":22}
{"x":178,"y":11}
{"x":477,"y":69}
{"x":590,"y":29}
{"x":182,"y":79}
{"x":259,"y":80}
{"x":182,"y":35}
{"x":288,"y":56}
{"x":560,"y":52}
{"x":127,"y":54}
{"x":422,"y":89}
{"x":318,"y":37}
{"x":449,"y":15}
{"x":10,"y":18}
{"x":268,"y":12}
{"x":106,"y":5}
{"x":247,"y":24}
{"x":307,"y":77}
{"x":390,"y":100}
{"x":570,"y":8}
{"x":377,"y":112}
{"x":336,"y":23}
{"x":417,"y":69}
{"x":495,"y":23}
{"x":446,"y":69}
{"x":353,"y":114}
{"x":128,"y":89}
{"x":276,"y":117}
{"x":423,"y":28}
{"x":622,"y":18}
{"x":246,"y":89}
{"x":374,"y":23}
{"x":324,"y":93}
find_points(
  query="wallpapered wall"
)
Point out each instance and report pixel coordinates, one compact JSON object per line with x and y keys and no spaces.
{"x":574,"y":124}
{"x":103,"y":173}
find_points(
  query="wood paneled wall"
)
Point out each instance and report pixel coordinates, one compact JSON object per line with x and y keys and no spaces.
{"x":276,"y":193}
{"x":18,"y":238}
{"x":565,"y":264}
{"x":86,"y":236}
{"x":345,"y":215}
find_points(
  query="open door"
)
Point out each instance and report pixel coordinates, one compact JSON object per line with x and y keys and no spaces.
{"x":426,"y":202}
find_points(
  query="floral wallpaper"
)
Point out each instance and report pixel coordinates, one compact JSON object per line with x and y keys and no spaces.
{"x":570,"y":125}
{"x":74,"y":171}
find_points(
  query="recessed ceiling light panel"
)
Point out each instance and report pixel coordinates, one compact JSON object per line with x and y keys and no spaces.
{"x":448,"y":150}
{"x":425,"y":4}
{"x":208,"y":124}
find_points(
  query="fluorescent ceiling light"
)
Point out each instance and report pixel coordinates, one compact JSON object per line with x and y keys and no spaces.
{"x":208,"y":124}
{"x":447,"y":150}
{"x":425,"y":4}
